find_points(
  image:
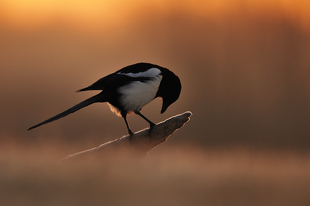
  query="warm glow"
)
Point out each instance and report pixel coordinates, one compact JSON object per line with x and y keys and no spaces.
{"x":34,"y":13}
{"x":89,"y":14}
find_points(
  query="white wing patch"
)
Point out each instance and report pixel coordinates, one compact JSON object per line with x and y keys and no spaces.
{"x":152,"y":72}
{"x":137,"y":94}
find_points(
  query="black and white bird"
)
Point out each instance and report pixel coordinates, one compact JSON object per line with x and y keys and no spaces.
{"x":129,"y":89}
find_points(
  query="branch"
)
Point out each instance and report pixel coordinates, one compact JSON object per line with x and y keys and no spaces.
{"x":141,"y":142}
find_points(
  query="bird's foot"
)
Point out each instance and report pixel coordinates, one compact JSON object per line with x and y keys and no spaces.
{"x":151,"y":129}
{"x":130,"y":135}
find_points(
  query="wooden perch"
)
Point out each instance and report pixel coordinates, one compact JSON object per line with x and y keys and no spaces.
{"x":141,"y":142}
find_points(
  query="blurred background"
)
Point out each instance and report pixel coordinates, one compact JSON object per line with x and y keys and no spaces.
{"x":244,"y":67}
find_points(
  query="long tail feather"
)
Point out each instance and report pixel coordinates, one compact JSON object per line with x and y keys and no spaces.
{"x":91,"y":100}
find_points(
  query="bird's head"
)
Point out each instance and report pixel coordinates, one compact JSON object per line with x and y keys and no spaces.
{"x":169,"y":88}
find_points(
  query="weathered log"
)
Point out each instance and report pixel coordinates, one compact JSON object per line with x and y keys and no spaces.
{"x":140,"y":143}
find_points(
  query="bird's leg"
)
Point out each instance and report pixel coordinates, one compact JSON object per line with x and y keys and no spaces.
{"x":146,"y":119}
{"x":129,"y":130}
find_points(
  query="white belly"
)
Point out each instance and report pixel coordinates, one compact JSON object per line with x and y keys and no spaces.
{"x":136,"y":95}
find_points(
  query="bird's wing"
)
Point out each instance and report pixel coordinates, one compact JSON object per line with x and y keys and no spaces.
{"x":119,"y":78}
{"x":113,"y":81}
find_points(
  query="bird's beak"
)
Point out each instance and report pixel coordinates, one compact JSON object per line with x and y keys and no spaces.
{"x":164,"y":107}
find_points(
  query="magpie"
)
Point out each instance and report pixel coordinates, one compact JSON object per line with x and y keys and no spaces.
{"x":129,"y":89}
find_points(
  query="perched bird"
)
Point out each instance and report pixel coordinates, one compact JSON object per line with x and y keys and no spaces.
{"x":129,"y":89}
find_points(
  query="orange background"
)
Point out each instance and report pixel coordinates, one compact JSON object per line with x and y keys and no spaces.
{"x":245,"y":71}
